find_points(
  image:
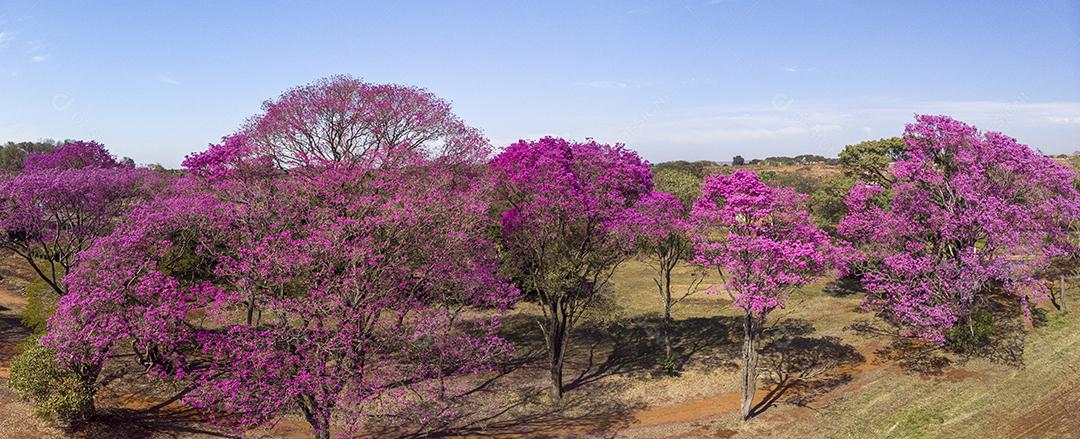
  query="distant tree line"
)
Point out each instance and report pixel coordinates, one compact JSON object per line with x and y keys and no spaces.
{"x":13,"y":154}
{"x":699,"y":169}
{"x":703,"y":168}
{"x":803,"y":159}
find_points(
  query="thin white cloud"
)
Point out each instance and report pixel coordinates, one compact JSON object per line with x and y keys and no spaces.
{"x":1064,"y":120}
{"x":755,"y":125}
{"x":817,"y":127}
{"x":614,"y":85}
{"x":39,"y":58}
{"x":6,"y":37}
{"x":165,"y":79}
{"x":991,"y":115}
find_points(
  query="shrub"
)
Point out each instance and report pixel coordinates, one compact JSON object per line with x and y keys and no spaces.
{"x":58,"y":393}
{"x":41,"y":304}
{"x":670,"y":366}
{"x":967,"y":338}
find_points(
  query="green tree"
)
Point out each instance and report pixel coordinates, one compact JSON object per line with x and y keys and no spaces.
{"x":738,"y":161}
{"x":869,"y":161}
{"x":13,"y":154}
{"x":683,"y":185}
{"x":827,"y":201}
{"x":700,"y":168}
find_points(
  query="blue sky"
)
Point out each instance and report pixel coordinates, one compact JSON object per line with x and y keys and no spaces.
{"x":675,"y":80}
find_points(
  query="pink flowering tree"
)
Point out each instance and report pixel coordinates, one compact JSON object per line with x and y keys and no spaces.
{"x":340,"y":118}
{"x":763,"y":243}
{"x":563,"y":211}
{"x":967,"y":212}
{"x":332,"y":258}
{"x":338,"y":290}
{"x":63,"y":200}
{"x":664,"y":236}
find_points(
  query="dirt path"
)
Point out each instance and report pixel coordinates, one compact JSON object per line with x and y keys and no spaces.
{"x":692,"y":411}
{"x":12,"y":332}
{"x":17,"y":421}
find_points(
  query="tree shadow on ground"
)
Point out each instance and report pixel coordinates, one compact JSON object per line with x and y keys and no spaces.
{"x":516,"y":399}
{"x":802,"y":369}
{"x":843,"y":287}
{"x":137,"y":424}
{"x":1000,"y":340}
{"x":636,"y":348}
{"x":12,"y":333}
{"x":132,"y":406}
{"x":594,"y":405}
{"x":911,"y":354}
{"x":633,"y":347}
{"x":528,"y":411}
{"x":1005,"y":342}
{"x":704,"y":342}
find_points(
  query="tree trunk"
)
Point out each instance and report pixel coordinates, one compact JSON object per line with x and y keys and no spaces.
{"x":665,"y":326}
{"x":556,"y":378}
{"x":251,"y":307}
{"x":86,"y":411}
{"x":556,"y":355}
{"x":1064,"y":307}
{"x":750,"y":361}
{"x":319,"y":419}
{"x":558,"y":335}
{"x":87,"y":376}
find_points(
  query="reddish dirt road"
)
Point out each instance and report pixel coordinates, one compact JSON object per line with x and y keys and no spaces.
{"x":16,"y":417}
